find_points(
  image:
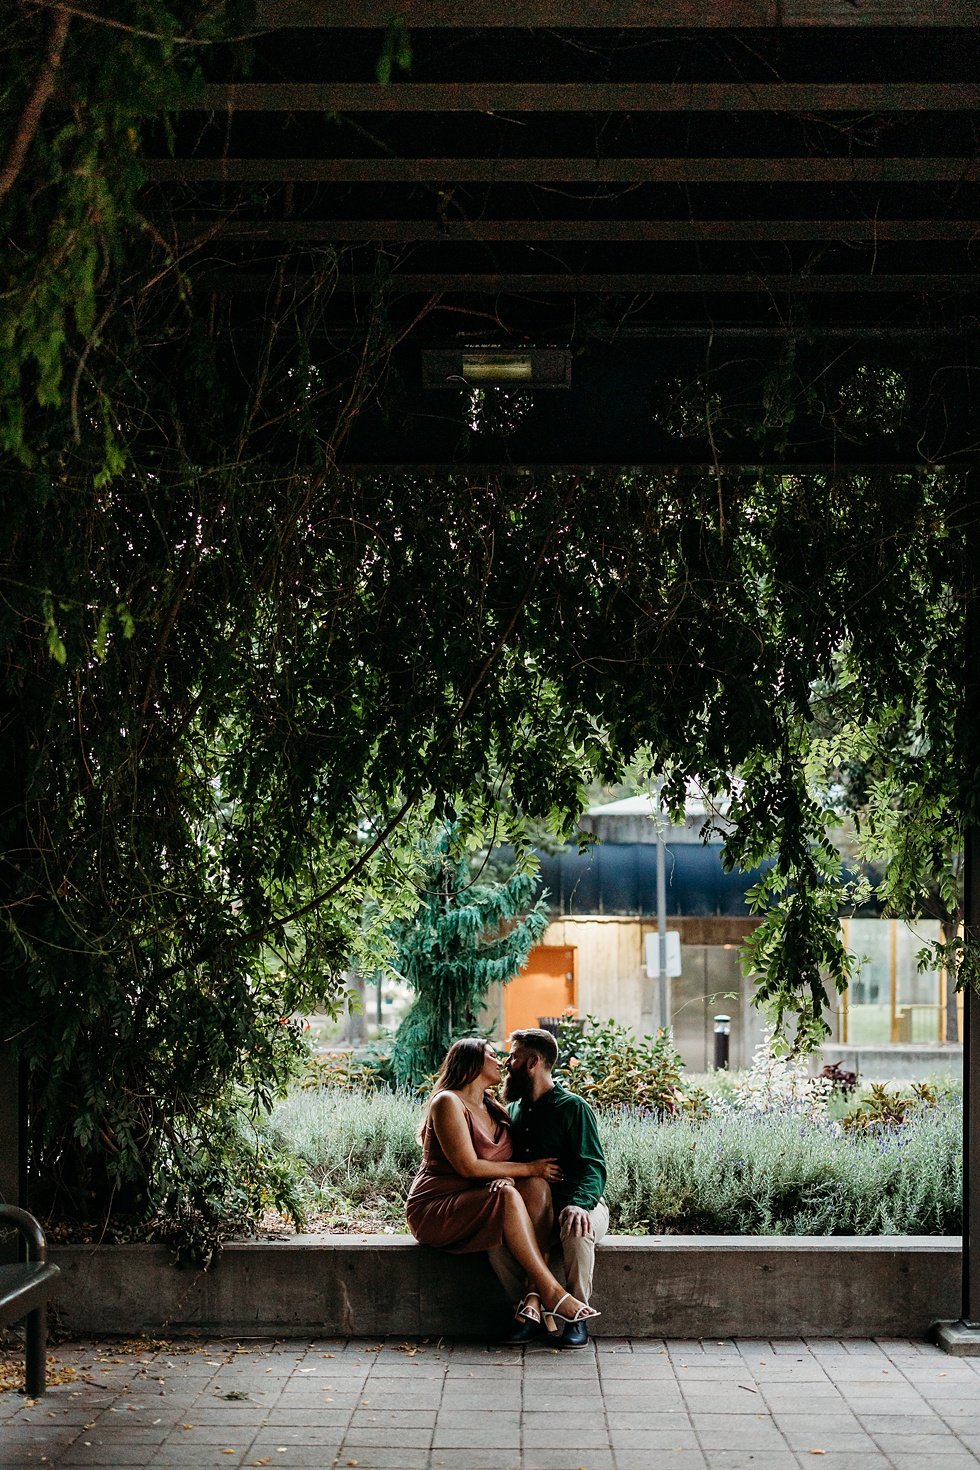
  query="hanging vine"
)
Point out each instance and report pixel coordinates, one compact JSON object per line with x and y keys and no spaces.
{"x":240,"y":684}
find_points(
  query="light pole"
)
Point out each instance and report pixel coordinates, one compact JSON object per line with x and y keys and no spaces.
{"x":663,"y":1017}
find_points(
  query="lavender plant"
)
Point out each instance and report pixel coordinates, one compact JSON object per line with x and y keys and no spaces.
{"x":741,"y":1171}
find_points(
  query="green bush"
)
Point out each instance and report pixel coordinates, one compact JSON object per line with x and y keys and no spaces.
{"x":362,"y":1072}
{"x":883,"y":1107}
{"x":610,"y":1066}
{"x":215,"y":1182}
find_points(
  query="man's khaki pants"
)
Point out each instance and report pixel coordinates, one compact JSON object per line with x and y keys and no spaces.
{"x":578,"y":1252}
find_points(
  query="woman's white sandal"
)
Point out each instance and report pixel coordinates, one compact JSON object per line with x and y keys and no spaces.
{"x":527,"y":1311}
{"x":584,"y":1313}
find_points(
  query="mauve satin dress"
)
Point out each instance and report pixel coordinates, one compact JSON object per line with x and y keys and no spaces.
{"x":446,"y":1210}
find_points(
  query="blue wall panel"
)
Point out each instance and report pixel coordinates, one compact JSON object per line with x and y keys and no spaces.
{"x":621,"y":878}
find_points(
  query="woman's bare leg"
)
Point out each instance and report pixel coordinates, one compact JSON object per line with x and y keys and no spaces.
{"x":520,"y":1239}
{"x":536,"y":1194}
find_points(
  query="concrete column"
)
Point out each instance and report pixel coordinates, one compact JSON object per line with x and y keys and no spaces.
{"x":963,"y":1337}
{"x":971,"y":931}
{"x":971,"y":1097}
{"x":13,"y":1160}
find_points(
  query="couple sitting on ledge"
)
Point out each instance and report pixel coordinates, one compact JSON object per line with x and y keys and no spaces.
{"x":506,"y":1179}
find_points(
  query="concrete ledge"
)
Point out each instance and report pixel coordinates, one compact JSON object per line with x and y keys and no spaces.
{"x":894,"y":1061}
{"x":646,"y":1286}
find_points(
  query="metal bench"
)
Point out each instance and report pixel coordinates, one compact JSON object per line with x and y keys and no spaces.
{"x":25,"y":1289}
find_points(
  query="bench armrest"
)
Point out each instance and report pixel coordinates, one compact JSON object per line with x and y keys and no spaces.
{"x":37,"y":1246}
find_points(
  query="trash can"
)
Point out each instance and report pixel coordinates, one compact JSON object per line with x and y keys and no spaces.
{"x":551,"y":1023}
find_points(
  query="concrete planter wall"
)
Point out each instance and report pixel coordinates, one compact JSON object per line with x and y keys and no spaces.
{"x":908,"y":1061}
{"x":646,"y":1286}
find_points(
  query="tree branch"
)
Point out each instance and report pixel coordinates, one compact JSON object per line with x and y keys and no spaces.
{"x":145,"y":35}
{"x":441,"y":747}
{"x":30,"y":118}
{"x":418,"y":789}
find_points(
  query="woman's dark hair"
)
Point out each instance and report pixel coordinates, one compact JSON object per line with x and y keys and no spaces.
{"x":463,"y":1061}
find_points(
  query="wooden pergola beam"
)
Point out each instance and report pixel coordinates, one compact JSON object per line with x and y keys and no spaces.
{"x":846,"y":337}
{"x":613,"y":14}
{"x":625,"y":284}
{"x":777,"y":170}
{"x":621,"y":231}
{"x":491,"y":97}
{"x":842,"y":470}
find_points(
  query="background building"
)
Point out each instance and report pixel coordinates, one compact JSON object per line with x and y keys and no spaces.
{"x":592,"y":957}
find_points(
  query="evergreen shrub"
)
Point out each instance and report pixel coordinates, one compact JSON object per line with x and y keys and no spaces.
{"x":891,"y":1107}
{"x":362,"y":1072}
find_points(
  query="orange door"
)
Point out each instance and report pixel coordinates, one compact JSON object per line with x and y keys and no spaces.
{"x":545,"y":988}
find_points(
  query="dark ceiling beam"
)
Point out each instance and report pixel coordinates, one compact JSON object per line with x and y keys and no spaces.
{"x":621,"y":284}
{"x":587,"y":97}
{"x":528,"y":283}
{"x":858,"y":334}
{"x":622,"y":231}
{"x":612,"y":14}
{"x":842,"y":468}
{"x":564,"y":170}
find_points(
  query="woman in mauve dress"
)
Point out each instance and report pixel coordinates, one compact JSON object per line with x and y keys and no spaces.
{"x":468,"y":1195}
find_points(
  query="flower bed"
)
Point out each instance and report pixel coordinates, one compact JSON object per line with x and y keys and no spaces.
{"x":771,"y":1155}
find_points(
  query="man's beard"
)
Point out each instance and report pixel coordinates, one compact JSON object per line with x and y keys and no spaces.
{"x":517,"y":1085}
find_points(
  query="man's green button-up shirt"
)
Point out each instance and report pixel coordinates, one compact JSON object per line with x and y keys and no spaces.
{"x":563,"y":1127}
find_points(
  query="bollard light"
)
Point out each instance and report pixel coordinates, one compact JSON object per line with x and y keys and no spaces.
{"x":723,"y":1033}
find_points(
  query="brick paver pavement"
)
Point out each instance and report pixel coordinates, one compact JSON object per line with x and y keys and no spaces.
{"x":396,"y":1405}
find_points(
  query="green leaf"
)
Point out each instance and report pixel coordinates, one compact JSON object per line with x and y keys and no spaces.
{"x":56,"y":647}
{"x":102,"y":635}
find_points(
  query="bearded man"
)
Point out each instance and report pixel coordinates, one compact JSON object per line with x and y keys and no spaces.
{"x":549,"y":1122}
